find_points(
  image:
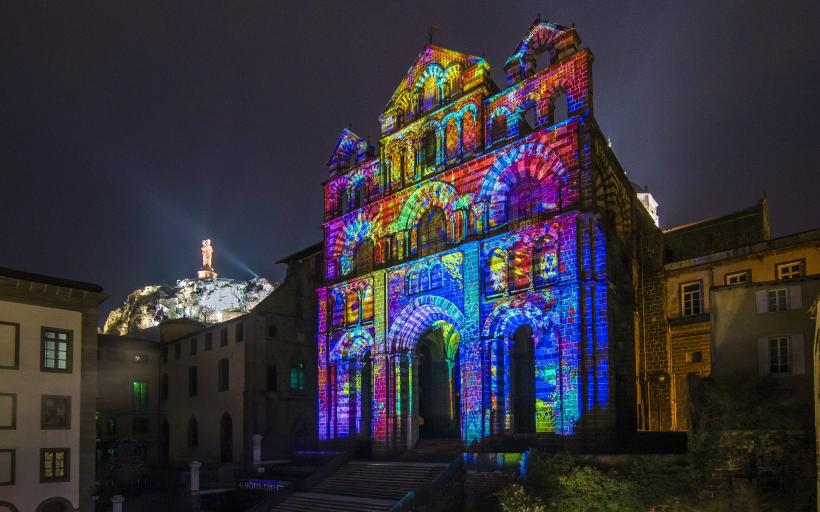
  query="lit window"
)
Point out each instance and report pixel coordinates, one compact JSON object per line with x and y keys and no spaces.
{"x":367,"y":304}
{"x":363,"y":257}
{"x":691,"y":299}
{"x":54,"y":465}
{"x":737,"y":278}
{"x":789,"y":270}
{"x":779,"y":355}
{"x":777,"y":300}
{"x":55,"y":412}
{"x":495,"y":274}
{"x":56,"y":351}
{"x":297,"y":376}
{"x":431,"y":232}
{"x":139,"y":395}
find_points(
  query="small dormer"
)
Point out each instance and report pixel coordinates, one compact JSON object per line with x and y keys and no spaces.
{"x":557,"y":41}
{"x":349,"y":152}
{"x":436,"y":76}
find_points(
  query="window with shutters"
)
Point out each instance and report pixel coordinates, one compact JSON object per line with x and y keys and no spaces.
{"x":691,"y":299}
{"x":777,"y":300}
{"x":789,"y":270}
{"x":779,"y":355}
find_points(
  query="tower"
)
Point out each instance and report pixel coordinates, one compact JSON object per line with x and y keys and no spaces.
{"x":481,"y":269}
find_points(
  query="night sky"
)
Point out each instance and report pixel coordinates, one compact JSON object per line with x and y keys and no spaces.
{"x":129,"y":131}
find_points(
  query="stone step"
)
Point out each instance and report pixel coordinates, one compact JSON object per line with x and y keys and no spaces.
{"x":321,"y":502}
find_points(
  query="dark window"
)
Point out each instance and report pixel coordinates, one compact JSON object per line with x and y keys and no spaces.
{"x":224,"y":374}
{"x":737,"y":277}
{"x":694,"y":357}
{"x":193,"y":346}
{"x":193,"y":381}
{"x":777,"y":300}
{"x":177,"y":351}
{"x":163,"y":386}
{"x":223,"y":337}
{"x":691,"y":299}
{"x":209,"y":341}
{"x":429,"y":149}
{"x":789,"y":270}
{"x":272,"y":379}
{"x":8,"y":411}
{"x":779,"y":355}
{"x":271,"y":330}
{"x":54,"y":465}
{"x":55,"y":412}
{"x":57,"y":348}
{"x":163,"y":355}
{"x":498,"y":129}
{"x":432,"y":232}
{"x":7,"y":466}
{"x":240,"y":332}
{"x":523,"y":199}
{"x":193,"y":433}
{"x":297,"y":376}
{"x":140,"y":425}
{"x":560,"y":107}
{"x":363,"y":257}
{"x":139,"y":395}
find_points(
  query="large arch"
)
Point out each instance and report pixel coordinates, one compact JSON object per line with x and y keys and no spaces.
{"x":352,"y":345}
{"x":420,"y":315}
{"x":434,"y":193}
{"x":56,"y":504}
{"x":350,"y":235}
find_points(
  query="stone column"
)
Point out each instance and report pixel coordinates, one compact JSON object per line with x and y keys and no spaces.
{"x":116,"y":503}
{"x":257,"y":452}
{"x":195,"y":465}
{"x":381,"y":404}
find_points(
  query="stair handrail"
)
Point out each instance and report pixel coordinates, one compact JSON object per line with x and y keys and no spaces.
{"x":427,"y":495}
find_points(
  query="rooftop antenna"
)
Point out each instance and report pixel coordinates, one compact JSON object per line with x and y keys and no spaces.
{"x":431,"y":31}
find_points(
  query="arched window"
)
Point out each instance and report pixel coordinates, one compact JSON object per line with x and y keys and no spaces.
{"x":559,"y":107}
{"x":363,"y":257}
{"x":498,"y":128}
{"x":296,"y":377}
{"x":431,"y":232}
{"x":338,"y":319}
{"x":545,"y":261}
{"x":430,"y":94}
{"x":357,"y":195}
{"x":495,"y":273}
{"x":367,"y":304}
{"x":451,"y":139}
{"x":468,"y":132}
{"x":412,"y":282}
{"x":523,"y":199}
{"x":424,"y":280}
{"x":520,"y":266}
{"x":352,"y":313}
{"x":193,"y":433}
{"x":436,"y":277}
{"x":527,"y":119}
{"x":429,"y":149}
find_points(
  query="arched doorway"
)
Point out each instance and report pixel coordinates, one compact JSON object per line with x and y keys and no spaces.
{"x":55,"y":505}
{"x":366,"y":383}
{"x":522,"y":373}
{"x":438,"y":383}
{"x":226,"y":439}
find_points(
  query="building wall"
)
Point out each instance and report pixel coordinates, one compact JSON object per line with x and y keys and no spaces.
{"x":121,"y":361}
{"x":690,"y":337}
{"x":209,"y":405}
{"x":29,"y":384}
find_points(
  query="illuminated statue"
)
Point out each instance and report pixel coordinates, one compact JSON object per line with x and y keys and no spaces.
{"x":207,"y":271}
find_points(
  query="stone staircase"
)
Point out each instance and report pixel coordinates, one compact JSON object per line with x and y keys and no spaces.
{"x":365,"y":486}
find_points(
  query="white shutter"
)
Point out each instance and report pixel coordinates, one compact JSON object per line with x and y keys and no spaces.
{"x":762,"y":301}
{"x":763,"y":362}
{"x":795,"y":297}
{"x":797,"y":347}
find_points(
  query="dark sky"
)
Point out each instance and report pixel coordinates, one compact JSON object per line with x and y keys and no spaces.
{"x":131,"y":130}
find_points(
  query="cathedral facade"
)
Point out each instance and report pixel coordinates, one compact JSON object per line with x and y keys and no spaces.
{"x":482,"y":267}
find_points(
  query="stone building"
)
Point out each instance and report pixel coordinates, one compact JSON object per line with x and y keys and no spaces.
{"x":734,"y":250}
{"x":254,"y":374}
{"x":48,"y":383}
{"x":491,"y":271}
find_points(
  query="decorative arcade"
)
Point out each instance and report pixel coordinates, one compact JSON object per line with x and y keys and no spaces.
{"x":466,"y":282}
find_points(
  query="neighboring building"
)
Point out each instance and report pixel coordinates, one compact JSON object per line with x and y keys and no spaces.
{"x":127,"y":406}
{"x":254,"y":374}
{"x":813,"y":313}
{"x":48,"y":384}
{"x":690,"y":280}
{"x":492,"y":272}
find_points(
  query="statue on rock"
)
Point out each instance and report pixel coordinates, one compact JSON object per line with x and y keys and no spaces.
{"x":207,"y":270}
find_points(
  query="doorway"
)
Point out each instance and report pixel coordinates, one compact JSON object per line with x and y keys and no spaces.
{"x":226,"y":439}
{"x":523,"y":381}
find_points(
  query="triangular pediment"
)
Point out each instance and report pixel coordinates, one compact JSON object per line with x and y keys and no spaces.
{"x":349,"y":150}
{"x":438,"y":57}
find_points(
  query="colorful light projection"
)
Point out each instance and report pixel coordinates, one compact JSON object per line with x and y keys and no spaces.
{"x":472,"y":233}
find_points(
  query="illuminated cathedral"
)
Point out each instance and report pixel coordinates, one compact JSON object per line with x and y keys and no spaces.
{"x":486,"y":270}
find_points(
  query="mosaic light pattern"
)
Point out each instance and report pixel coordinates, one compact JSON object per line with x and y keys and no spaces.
{"x":475,"y":237}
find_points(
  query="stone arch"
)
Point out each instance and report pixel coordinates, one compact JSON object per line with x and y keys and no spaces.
{"x":8,"y":506}
{"x":55,"y":504}
{"x":542,"y":37}
{"x":352,"y":345}
{"x":509,"y":122}
{"x":508,"y":316}
{"x":432,"y":194}
{"x":418,"y":316}
{"x":350,"y":236}
{"x":535,"y":159}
